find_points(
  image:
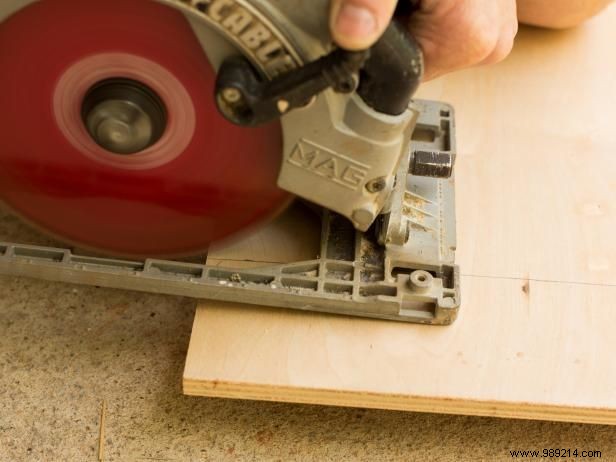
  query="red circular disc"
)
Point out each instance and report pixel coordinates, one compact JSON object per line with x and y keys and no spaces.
{"x":205,"y":179}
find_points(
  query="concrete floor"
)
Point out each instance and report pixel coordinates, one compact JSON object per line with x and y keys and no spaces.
{"x":66,"y":349}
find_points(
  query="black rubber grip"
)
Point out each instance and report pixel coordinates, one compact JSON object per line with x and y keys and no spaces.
{"x":393,"y":72}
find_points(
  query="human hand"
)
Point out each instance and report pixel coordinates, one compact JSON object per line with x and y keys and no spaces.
{"x":453,"y":34}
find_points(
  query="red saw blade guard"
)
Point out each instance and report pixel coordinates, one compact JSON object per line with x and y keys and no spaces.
{"x":203,"y":180}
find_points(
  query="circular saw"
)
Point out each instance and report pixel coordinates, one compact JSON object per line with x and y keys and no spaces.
{"x":156,"y":127}
{"x":152,"y":128}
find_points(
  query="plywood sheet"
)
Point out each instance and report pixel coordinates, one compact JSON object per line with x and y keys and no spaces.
{"x":536,"y":179}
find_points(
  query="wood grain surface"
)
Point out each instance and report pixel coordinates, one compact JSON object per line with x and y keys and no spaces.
{"x":536,"y":182}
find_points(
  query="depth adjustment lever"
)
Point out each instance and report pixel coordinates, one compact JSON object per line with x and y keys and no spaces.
{"x":245,"y":98}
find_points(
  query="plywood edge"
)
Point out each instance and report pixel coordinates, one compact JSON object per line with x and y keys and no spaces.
{"x":359,"y":399}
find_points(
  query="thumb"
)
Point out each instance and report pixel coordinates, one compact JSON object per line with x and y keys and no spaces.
{"x":357,"y":24}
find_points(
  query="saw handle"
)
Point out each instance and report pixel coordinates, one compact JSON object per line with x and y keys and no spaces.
{"x":244,"y":98}
{"x":392,"y":74}
{"x":389,"y":74}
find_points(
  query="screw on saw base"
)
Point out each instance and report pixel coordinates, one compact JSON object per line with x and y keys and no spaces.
{"x":420,"y":281}
{"x":433,"y":164}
